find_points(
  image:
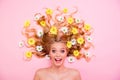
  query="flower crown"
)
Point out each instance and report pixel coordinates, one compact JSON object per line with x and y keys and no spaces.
{"x":58,"y":24}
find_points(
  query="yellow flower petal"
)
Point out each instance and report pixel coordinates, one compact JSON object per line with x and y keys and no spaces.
{"x":87,"y":27}
{"x":74,"y":30}
{"x":27,"y":24}
{"x":65,"y":10}
{"x":28,"y":54}
{"x":43,"y":23}
{"x":80,"y":40}
{"x":70,"y":20}
{"x":31,"y":41}
{"x":53,"y":30}
{"x":76,"y":53}
{"x":69,"y":44}
{"x":49,"y":11}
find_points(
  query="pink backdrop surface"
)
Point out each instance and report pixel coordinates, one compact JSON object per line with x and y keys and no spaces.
{"x":104,"y":17}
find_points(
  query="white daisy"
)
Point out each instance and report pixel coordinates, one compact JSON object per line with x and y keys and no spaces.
{"x":39,"y":33}
{"x":73,"y":41}
{"x":37,"y":17}
{"x":39,"y":48}
{"x":77,"y":20}
{"x":21,"y":44}
{"x":71,"y":59}
{"x":64,"y":29}
{"x":89,"y":39}
{"x":47,"y":57}
{"x":87,"y":54}
{"x":60,"y":18}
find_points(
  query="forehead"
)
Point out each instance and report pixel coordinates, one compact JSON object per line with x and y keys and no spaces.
{"x":58,"y":45}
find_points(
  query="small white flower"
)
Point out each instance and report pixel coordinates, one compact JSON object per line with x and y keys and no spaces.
{"x":77,"y":20}
{"x":47,"y":57}
{"x":73,"y":41}
{"x":60,"y":18}
{"x":89,"y":39}
{"x":64,"y":29}
{"x":39,"y":48}
{"x":21,"y":44}
{"x":87,"y":54}
{"x":71,"y":59}
{"x":39,"y":33}
{"x":37,"y":17}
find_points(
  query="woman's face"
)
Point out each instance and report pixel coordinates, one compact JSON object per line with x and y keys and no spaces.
{"x":58,"y":53}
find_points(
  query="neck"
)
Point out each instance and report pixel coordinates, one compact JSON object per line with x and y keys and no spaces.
{"x":58,"y":69}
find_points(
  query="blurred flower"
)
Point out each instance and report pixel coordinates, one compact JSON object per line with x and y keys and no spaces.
{"x":74,"y":30}
{"x":28,"y":54}
{"x":80,"y":40}
{"x":39,"y":48}
{"x":76,"y":53}
{"x":37,"y":17}
{"x":49,"y":11}
{"x":77,"y":20}
{"x":65,"y":10}
{"x":70,"y":20}
{"x":71,"y":59}
{"x":87,"y":27}
{"x":64,"y":29}
{"x":89,"y":39}
{"x":60,"y":18}
{"x":69,"y":44}
{"x":31,"y":41}
{"x":40,"y":33}
{"x":47,"y":57}
{"x":27,"y":24}
{"x":21,"y":44}
{"x":43,"y":23}
{"x":87,"y":54}
{"x":53,"y":30}
{"x":73,"y":41}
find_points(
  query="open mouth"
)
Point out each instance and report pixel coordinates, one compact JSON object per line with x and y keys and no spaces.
{"x":58,"y":59}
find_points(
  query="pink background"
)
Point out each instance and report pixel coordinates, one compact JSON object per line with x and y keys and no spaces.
{"x":104,"y":17}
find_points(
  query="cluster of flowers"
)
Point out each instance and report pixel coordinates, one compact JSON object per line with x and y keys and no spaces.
{"x":77,"y":31}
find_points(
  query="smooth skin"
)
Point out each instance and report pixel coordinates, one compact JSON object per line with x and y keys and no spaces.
{"x":57,"y":70}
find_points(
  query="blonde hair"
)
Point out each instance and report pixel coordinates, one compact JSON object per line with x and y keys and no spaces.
{"x":52,"y":32}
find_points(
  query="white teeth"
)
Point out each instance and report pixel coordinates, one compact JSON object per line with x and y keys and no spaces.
{"x":58,"y":59}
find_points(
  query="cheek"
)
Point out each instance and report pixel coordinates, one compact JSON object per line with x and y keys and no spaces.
{"x":64,"y":55}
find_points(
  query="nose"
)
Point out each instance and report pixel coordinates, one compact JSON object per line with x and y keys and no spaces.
{"x":57,"y":54}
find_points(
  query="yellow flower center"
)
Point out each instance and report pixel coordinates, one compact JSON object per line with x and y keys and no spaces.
{"x":31,"y":41}
{"x":69,"y":44}
{"x":80,"y":40}
{"x":87,"y":27}
{"x":76,"y":53}
{"x":70,"y":20}
{"x":74,"y":30}
{"x":42,"y":23}
{"x":49,"y":11}
{"x":53,"y":30}
{"x":27,"y":24}
{"x":65,"y":10}
{"x":28,"y":54}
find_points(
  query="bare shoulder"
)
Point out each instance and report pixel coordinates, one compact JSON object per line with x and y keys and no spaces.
{"x":75,"y":73}
{"x":39,"y":73}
